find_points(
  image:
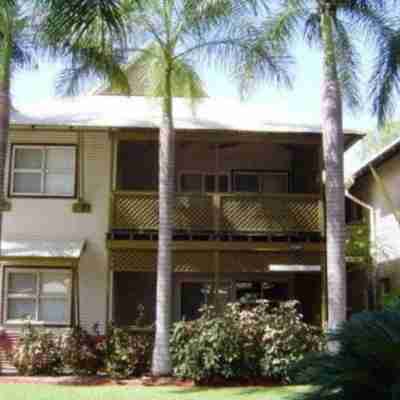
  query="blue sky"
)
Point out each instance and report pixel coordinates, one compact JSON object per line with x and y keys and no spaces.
{"x":301,"y":104}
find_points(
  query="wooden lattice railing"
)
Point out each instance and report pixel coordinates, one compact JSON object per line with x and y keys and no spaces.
{"x":233,"y":212}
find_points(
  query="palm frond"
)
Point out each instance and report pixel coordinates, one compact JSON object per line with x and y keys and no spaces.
{"x":67,"y":22}
{"x":258,"y":60}
{"x":348,"y":66}
{"x":385,"y":78}
{"x":148,"y":68}
{"x":86,"y":64}
{"x":312,"y":29}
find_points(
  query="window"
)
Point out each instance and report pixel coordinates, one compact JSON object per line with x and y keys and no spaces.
{"x":261,"y":182}
{"x":252,"y":291}
{"x":43,"y":171}
{"x":199,"y":182}
{"x":195,"y":295}
{"x":38,"y":295}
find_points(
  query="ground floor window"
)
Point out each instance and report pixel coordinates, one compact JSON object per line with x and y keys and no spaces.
{"x":251,"y":291}
{"x":195,"y":295}
{"x":134,"y":298}
{"x":42,"y":296}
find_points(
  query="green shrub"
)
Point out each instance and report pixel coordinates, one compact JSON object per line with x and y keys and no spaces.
{"x":242,"y":343}
{"x":366,"y":365}
{"x":287,"y":339}
{"x":38,"y":352}
{"x":127,"y":353}
{"x":80,"y":352}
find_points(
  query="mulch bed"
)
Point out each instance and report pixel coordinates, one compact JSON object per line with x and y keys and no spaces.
{"x":144,"y":381}
{"x":93,"y":381}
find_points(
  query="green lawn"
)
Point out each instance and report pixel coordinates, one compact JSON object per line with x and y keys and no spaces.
{"x":58,"y":392}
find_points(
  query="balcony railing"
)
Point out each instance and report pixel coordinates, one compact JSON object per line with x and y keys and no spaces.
{"x":233,"y":212}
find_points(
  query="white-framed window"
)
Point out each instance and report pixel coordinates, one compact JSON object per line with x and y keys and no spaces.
{"x":202,"y":182}
{"x":38,"y":295}
{"x":43,"y":171}
{"x":261,"y":182}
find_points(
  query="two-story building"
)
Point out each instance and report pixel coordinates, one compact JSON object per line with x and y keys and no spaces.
{"x":80,"y":236}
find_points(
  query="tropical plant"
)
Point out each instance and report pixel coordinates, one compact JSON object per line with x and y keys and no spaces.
{"x":162,"y":39}
{"x":80,"y":351}
{"x":331,"y":26}
{"x":15,"y":53}
{"x":126,"y":353}
{"x":38,"y":352}
{"x":366,"y":365}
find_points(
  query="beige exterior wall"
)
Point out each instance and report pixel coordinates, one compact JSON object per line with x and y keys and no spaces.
{"x":53,"y":219}
{"x":387,"y":229}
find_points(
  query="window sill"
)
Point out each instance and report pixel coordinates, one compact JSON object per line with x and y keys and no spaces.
{"x":21,"y":323}
{"x":41,"y":196}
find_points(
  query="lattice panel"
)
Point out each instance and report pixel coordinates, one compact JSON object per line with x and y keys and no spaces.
{"x":306,"y":259}
{"x":304,"y":215}
{"x":135,"y":211}
{"x":138,"y":260}
{"x":244,"y":262}
{"x":133,"y":260}
{"x":140,"y":211}
{"x":194,"y":213}
{"x":204,"y":261}
{"x":194,"y":261}
{"x":269,"y":214}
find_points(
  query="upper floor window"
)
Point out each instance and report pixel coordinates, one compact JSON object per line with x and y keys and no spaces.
{"x":201,"y":182}
{"x":261,"y":182}
{"x":43,"y":171}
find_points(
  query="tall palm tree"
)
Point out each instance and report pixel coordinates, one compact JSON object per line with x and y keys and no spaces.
{"x":15,"y":52}
{"x":330,"y":25}
{"x":163,"y":39}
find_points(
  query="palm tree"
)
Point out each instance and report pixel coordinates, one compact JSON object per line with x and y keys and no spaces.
{"x":330,"y":25}
{"x":15,"y":52}
{"x":163,"y":39}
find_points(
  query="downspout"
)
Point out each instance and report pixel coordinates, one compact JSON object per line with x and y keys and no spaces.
{"x":81,"y":206}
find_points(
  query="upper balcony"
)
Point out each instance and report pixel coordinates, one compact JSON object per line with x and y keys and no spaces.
{"x":221,"y":214}
{"x":223,"y":190}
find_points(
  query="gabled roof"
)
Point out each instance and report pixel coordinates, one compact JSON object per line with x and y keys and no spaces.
{"x":106,"y":112}
{"x":378,"y":159}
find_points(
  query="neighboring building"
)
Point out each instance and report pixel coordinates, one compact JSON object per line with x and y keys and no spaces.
{"x":80,"y":239}
{"x":376,"y":183}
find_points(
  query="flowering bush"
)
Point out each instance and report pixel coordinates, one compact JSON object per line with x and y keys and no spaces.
{"x":286,"y":340}
{"x":81,"y":352}
{"x":38,"y":352}
{"x":242,"y":343}
{"x":127,"y":353}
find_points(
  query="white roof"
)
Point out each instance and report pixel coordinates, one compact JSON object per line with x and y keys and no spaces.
{"x":139,"y":112}
{"x":42,"y":248}
{"x":378,"y":158}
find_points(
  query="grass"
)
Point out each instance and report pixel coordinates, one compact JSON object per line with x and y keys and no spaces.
{"x":52,"y":392}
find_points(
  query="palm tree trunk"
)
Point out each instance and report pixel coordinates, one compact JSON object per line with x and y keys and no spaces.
{"x":5,"y":106}
{"x":162,"y":365}
{"x":333,"y":148}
